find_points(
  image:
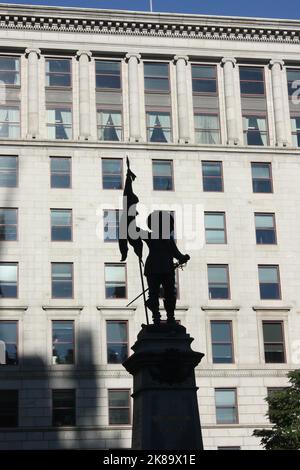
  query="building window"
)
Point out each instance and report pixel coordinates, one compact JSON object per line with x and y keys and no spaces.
{"x":59,"y":122}
{"x":63,"y":342}
{"x":156,"y":77}
{"x":63,"y":408}
{"x":222,"y":342}
{"x":8,"y":171}
{"x":115,"y":281}
{"x":60,"y":172}
{"x":207,"y":129}
{"x":9,"y":336}
{"x":157,"y":90}
{"x":117,"y":341}
{"x":215,"y":231}
{"x":273,"y":342}
{"x":10,"y":70}
{"x":293,"y":80}
{"x":261,"y":178}
{"x":62,"y":280}
{"x":9,"y":122}
{"x":226,"y":406}
{"x":265,"y":229}
{"x":8,"y":280}
{"x":158,"y":126}
{"x":9,"y":408}
{"x":119,"y":407}
{"x":269,"y":283}
{"x":162,"y":175}
{"x":8,"y":224}
{"x":204,"y":78}
{"x":58,"y":73}
{"x":112,"y":173}
{"x":255,"y":130}
{"x":61,"y":225}
{"x":212,"y":176}
{"x":295,"y":124}
{"x":108,"y":74}
{"x":111,"y":225}
{"x":109,"y":124}
{"x":218,"y":281}
{"x":252,"y":81}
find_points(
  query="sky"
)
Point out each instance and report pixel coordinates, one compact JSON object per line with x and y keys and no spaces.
{"x":254,"y":8}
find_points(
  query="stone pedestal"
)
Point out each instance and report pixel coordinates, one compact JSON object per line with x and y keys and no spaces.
{"x":165,"y":409}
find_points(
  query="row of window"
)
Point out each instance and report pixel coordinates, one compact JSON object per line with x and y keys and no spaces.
{"x":62,"y":281}
{"x":162,"y":174}
{"x":62,"y":226}
{"x":119,"y":407}
{"x":64,"y":407}
{"x":157,"y":88}
{"x":117,"y":342}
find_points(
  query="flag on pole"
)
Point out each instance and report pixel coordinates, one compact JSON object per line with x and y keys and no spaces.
{"x":128,"y":232}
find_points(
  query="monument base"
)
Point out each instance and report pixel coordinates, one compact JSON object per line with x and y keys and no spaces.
{"x":165,"y":406}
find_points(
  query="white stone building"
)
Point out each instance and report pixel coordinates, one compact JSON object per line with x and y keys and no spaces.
{"x":203,"y":107}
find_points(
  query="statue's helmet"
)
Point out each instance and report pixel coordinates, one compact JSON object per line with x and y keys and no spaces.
{"x":161,"y":224}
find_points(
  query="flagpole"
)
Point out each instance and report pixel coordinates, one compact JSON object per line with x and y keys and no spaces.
{"x":151,"y":6}
{"x":144,"y":291}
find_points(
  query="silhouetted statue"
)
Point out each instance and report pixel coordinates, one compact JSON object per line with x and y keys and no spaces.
{"x":159,"y":266}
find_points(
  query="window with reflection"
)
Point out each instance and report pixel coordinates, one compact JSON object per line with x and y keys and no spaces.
{"x":9,"y":408}
{"x":162,"y":175}
{"x":60,"y":172}
{"x":252,"y":80}
{"x":273,"y":342}
{"x":118,"y":407}
{"x":226,"y":406}
{"x":9,"y":280}
{"x":212,"y":176}
{"x":63,"y":407}
{"x":261,"y":177}
{"x":204,"y":78}
{"x":158,"y":126}
{"x":156,"y":77}
{"x":61,"y":225}
{"x":269,"y":283}
{"x":8,"y":224}
{"x":8,"y":171}
{"x":111,"y":225}
{"x":115,"y":281}
{"x":108,"y":74}
{"x":222,"y":343}
{"x":117,"y":341}
{"x":295,"y":125}
{"x":58,"y":72}
{"x":215,"y":231}
{"x":9,"y":339}
{"x":10,"y":70}
{"x":112,"y":173}
{"x":255,"y":130}
{"x":109,"y":124}
{"x":62,"y":342}
{"x":62,"y":280}
{"x":218,"y":281}
{"x":59,"y":122}
{"x":265,"y":228}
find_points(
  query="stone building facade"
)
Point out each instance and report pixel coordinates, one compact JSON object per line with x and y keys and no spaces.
{"x":206,"y":108}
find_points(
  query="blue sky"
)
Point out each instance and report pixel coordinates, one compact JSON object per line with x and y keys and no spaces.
{"x":256,"y":8}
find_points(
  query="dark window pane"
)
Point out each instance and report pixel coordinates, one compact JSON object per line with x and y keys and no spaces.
{"x":157,"y":84}
{"x":8,"y":280}
{"x":8,"y":334}
{"x":221,"y":332}
{"x":116,"y":353}
{"x":252,"y":88}
{"x":218,"y":292}
{"x":62,"y":280}
{"x":59,"y":80}
{"x":8,"y":172}
{"x":108,"y":81}
{"x":269,"y":291}
{"x":274,"y":353}
{"x":265,"y":236}
{"x":272,"y":332}
{"x":63,"y":342}
{"x":119,"y":406}
{"x":155,"y":69}
{"x":162,"y":175}
{"x":222,"y":353}
{"x":262,"y":186}
{"x":112,"y":173}
{"x":251,"y":73}
{"x":60,"y":172}
{"x":63,"y":408}
{"x":9,"y":408}
{"x":119,"y":416}
{"x":104,"y":67}
{"x":204,"y":86}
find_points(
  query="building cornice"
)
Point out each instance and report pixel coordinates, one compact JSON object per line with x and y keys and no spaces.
{"x":115,"y":22}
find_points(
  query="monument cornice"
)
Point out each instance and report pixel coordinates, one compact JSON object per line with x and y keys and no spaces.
{"x":114,"y":22}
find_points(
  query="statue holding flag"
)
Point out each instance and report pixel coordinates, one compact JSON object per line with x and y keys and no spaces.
{"x":159,"y":266}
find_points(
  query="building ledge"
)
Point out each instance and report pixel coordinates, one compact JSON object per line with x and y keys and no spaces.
{"x":218,"y":308}
{"x":13,"y":307}
{"x":117,"y":307}
{"x":62,"y":307}
{"x":269,"y":308}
